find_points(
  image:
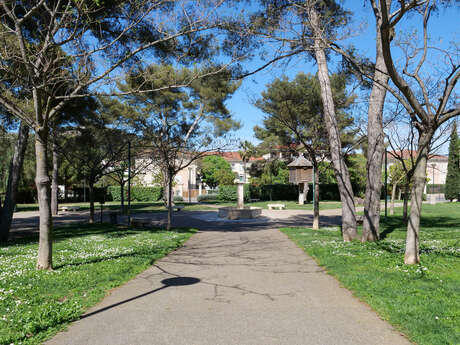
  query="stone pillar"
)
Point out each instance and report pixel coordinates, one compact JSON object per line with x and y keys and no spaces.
{"x":240,"y":193}
{"x":200,"y":188}
{"x":301,"y":194}
{"x":303,"y":191}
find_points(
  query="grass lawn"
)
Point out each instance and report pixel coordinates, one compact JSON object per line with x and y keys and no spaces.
{"x":422,"y":301}
{"x":291,"y":205}
{"x":88,"y":260}
{"x":136,"y":207}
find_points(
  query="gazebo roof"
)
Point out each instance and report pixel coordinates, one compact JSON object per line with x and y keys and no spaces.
{"x":299,"y":162}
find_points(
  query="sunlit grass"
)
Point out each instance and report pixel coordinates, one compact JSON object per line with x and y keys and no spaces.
{"x":88,"y":261}
{"x":422,"y":300}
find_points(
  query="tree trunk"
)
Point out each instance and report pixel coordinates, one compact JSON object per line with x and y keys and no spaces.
{"x":42,"y":181}
{"x":412,"y":255}
{"x":316,"y":200}
{"x":14,"y":174}
{"x":170,"y":183}
{"x":66,"y":189}
{"x":406,"y":201}
{"x":91,"y":201}
{"x":54,"y":181}
{"x":122,"y":196}
{"x":340,"y":168}
{"x":376,"y":147}
{"x":393,"y":196}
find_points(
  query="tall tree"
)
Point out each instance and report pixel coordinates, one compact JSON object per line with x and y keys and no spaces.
{"x":181,"y":124}
{"x":452,"y":190}
{"x":68,"y":47}
{"x":295,"y":113}
{"x":429,"y":104}
{"x":14,"y":173}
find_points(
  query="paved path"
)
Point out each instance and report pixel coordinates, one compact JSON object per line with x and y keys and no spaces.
{"x":232,"y":283}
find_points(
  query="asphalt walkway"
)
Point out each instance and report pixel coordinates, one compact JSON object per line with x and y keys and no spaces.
{"x":232,"y":283}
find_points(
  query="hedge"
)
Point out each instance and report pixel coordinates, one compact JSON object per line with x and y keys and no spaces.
{"x":291,"y":192}
{"x":207,"y":197}
{"x":138,"y":193}
{"x":229,"y":193}
{"x":435,"y":188}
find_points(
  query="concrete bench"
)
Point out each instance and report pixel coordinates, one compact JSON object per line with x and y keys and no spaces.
{"x":69,"y":208}
{"x":278,"y":206}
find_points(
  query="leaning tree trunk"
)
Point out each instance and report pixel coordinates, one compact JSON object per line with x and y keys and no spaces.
{"x":42,"y":182}
{"x":14,"y":174}
{"x":54,"y":180}
{"x":412,"y":255}
{"x":338,"y":162}
{"x":91,"y":201}
{"x":316,"y":200}
{"x":376,"y":147}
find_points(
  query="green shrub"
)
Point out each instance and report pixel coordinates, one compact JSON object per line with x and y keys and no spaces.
{"x":435,"y":188}
{"x":229,"y":193}
{"x":207,"y":197}
{"x":178,"y":198}
{"x":138,"y":193}
{"x":279,"y":192}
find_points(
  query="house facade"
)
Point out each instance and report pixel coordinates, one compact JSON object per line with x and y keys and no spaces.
{"x":436,"y":171}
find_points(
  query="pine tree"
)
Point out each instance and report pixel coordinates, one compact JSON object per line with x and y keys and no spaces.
{"x":453,"y":167}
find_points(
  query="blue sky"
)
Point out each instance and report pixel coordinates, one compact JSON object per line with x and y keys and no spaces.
{"x":445,"y":25}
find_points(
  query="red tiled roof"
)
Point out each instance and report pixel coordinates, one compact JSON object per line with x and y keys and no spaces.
{"x":232,"y":156}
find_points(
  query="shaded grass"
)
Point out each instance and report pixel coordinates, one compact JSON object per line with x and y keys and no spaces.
{"x":136,"y":207}
{"x":290,"y":205}
{"x":89,"y":260}
{"x":420,"y":300}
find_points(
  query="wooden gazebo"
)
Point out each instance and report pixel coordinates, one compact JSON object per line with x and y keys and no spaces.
{"x":301,"y":173}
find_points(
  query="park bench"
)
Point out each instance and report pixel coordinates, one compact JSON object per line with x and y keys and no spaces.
{"x":69,"y":208}
{"x":278,"y":206}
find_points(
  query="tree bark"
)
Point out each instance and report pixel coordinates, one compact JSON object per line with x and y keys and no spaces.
{"x":170,"y":183}
{"x":91,"y":201}
{"x":412,"y":255}
{"x":122,"y":196}
{"x":406,"y":201}
{"x":42,"y":181}
{"x":393,"y":196}
{"x":54,"y":181}
{"x":14,"y":174}
{"x":316,"y":200}
{"x":341,"y":171}
{"x":376,"y":147}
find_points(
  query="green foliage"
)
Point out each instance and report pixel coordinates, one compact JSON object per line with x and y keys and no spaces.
{"x":435,"y":188}
{"x":90,"y":261}
{"x":178,"y":198}
{"x":295,"y":113}
{"x":420,"y":300}
{"x":229,"y":193}
{"x":269,"y":172}
{"x":138,"y":193}
{"x":207,"y":198}
{"x":216,"y":171}
{"x":452,"y":190}
{"x":279,"y":192}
